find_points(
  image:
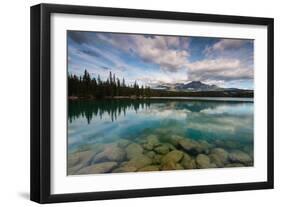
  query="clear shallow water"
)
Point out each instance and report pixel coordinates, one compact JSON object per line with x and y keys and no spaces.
{"x":222,"y":124}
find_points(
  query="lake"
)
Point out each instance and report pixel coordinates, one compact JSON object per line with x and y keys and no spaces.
{"x":106,"y":136}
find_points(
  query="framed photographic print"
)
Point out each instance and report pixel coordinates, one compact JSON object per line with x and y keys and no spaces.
{"x":132,"y":103}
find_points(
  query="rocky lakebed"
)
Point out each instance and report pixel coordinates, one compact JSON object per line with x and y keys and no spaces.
{"x":151,"y":153}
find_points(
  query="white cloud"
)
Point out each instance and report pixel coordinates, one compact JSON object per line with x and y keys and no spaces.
{"x":169,"y":52}
{"x":225,"y":44}
{"x":154,"y":78}
{"x":214,"y":65}
{"x":224,"y":61}
{"x":219,"y":69}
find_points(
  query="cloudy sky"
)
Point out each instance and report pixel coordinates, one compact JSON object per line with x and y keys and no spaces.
{"x":153,"y":59}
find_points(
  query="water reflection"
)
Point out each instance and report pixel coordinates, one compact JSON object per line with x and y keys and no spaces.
{"x":106,"y":120}
{"x":111,"y":108}
{"x":209,"y":124}
{"x":116,"y":108}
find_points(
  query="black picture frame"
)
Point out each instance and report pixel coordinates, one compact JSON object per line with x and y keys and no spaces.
{"x":41,"y":96}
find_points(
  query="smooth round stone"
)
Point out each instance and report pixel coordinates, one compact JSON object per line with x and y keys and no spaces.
{"x":83,"y":158}
{"x":174,"y":139}
{"x":171,"y":166}
{"x":152,"y":140}
{"x":221,"y":152}
{"x":204,"y":146}
{"x":194,"y":147}
{"x":170,"y":146}
{"x":187,"y":162}
{"x":150,"y":154}
{"x":103,"y":167}
{"x":139,"y":161}
{"x":219,"y":156}
{"x":203,"y":161}
{"x":148,"y":146}
{"x":240,"y":157}
{"x":164,"y":149}
{"x":190,"y":164}
{"x":173,"y":156}
{"x":133,"y":150}
{"x":187,"y":144}
{"x":111,"y":153}
{"x":157,"y":159}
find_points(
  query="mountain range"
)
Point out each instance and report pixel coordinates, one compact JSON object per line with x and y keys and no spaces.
{"x":193,"y":86}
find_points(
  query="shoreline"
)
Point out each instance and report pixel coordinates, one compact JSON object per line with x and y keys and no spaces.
{"x":236,"y":99}
{"x":242,"y":99}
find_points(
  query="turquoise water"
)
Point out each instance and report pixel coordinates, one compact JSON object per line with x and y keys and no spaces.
{"x":221,"y":124}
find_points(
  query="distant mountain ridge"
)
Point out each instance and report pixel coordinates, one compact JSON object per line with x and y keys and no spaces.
{"x":194,"y":86}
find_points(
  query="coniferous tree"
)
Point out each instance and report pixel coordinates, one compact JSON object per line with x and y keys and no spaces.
{"x":87,"y":86}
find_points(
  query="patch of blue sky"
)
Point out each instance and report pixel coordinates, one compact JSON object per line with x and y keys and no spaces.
{"x":152,"y":59}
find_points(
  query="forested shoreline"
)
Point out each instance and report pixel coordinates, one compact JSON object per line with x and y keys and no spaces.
{"x":87,"y":87}
{"x":92,"y":87}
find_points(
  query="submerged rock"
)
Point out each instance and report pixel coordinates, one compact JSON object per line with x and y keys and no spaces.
{"x":150,"y":154}
{"x":203,"y":161}
{"x":174,"y":140}
{"x":152,"y":140}
{"x":204,"y":146}
{"x":125,"y":169}
{"x":171,"y":166}
{"x":219,"y":156}
{"x":179,"y":167}
{"x":123,"y":143}
{"x":149,"y":168}
{"x":73,"y":170}
{"x":187,"y":144}
{"x":103,"y":167}
{"x":133,"y":150}
{"x":81,"y":158}
{"x":139,"y":161}
{"x":240,"y":157}
{"x":221,"y":152}
{"x":187,"y":162}
{"x":173,"y":156}
{"x":111,"y":153}
{"x":122,"y":164}
{"x":157,"y":159}
{"x":72,"y":159}
{"x":147,"y":146}
{"x":194,"y":147}
{"x":170,"y":146}
{"x":163,"y":149}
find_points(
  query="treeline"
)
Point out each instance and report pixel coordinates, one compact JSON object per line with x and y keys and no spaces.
{"x":91,"y":87}
{"x":109,"y":108}
{"x":236,"y":94}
